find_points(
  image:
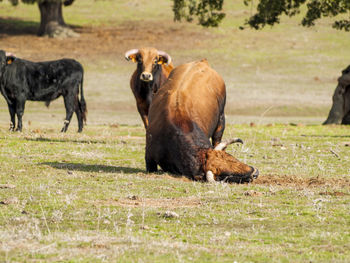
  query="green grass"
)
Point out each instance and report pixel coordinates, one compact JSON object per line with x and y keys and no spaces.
{"x":83,"y":198}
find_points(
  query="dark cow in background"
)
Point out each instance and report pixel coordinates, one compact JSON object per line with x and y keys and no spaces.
{"x":22,"y":80}
{"x":184,"y":114}
{"x":153,"y":69}
{"x":340,"y":111}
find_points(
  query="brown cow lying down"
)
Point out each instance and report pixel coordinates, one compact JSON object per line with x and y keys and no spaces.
{"x":153,"y":69}
{"x":184,"y":114}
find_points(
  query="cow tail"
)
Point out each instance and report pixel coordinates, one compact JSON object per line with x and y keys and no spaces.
{"x":2,"y":87}
{"x":82,"y":103}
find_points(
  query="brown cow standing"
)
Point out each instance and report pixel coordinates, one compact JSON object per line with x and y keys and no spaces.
{"x":185,"y":113}
{"x":153,"y":69}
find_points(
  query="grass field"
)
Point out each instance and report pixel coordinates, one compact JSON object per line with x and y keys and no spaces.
{"x":87,"y":198}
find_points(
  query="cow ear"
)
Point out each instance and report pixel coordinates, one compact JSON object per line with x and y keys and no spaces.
{"x":10,"y":59}
{"x":131,"y":55}
{"x":164,"y":58}
{"x":132,"y":58}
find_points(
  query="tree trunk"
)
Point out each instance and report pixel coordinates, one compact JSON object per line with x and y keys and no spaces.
{"x":50,"y":12}
{"x":51,"y":20}
{"x":346,"y":118}
{"x":340,"y":111}
{"x":336,"y":113}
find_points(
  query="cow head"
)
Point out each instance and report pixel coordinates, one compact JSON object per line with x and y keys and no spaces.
{"x":221,"y":166}
{"x":6,"y":59}
{"x":149,"y":61}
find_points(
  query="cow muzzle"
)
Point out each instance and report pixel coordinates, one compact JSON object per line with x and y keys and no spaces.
{"x":255,"y":173}
{"x":233,"y":178}
{"x":146,"y":76}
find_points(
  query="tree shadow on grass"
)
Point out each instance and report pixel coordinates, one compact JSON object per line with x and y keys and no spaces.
{"x":12,"y":26}
{"x":93,"y":168}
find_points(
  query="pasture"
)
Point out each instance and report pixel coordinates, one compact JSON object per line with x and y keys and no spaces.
{"x":86,"y":197}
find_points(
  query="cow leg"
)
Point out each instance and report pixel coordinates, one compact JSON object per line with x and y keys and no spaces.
{"x":79,"y":115}
{"x":145,"y":120}
{"x":12,"y":111}
{"x":151,"y":165}
{"x":219,"y":131}
{"x":143,"y":110}
{"x":80,"y":120}
{"x":20,"y":104}
{"x":69,"y":101}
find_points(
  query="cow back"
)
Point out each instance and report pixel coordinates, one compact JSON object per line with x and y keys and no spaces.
{"x":193,"y":93}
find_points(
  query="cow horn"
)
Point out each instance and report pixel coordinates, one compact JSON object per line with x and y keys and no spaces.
{"x":9,"y":54}
{"x":210,"y":177}
{"x":130,"y":52}
{"x":166,"y":55}
{"x":222,"y":146}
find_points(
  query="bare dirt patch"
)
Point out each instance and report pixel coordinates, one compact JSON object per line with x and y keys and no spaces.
{"x":168,"y":203}
{"x":101,"y":42}
{"x":302,"y":182}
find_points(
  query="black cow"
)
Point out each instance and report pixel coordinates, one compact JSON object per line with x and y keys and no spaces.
{"x":22,"y":80}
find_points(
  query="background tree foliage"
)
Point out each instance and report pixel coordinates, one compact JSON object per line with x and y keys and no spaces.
{"x":209,"y":12}
{"x":270,"y":11}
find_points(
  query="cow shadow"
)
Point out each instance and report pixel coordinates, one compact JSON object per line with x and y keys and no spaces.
{"x":119,"y":169}
{"x":93,"y":167}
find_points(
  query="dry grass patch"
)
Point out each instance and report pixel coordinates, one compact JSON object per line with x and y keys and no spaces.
{"x":302,"y":182}
{"x":135,"y":201}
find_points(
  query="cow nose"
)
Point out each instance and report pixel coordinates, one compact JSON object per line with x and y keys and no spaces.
{"x":146,"y":76}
